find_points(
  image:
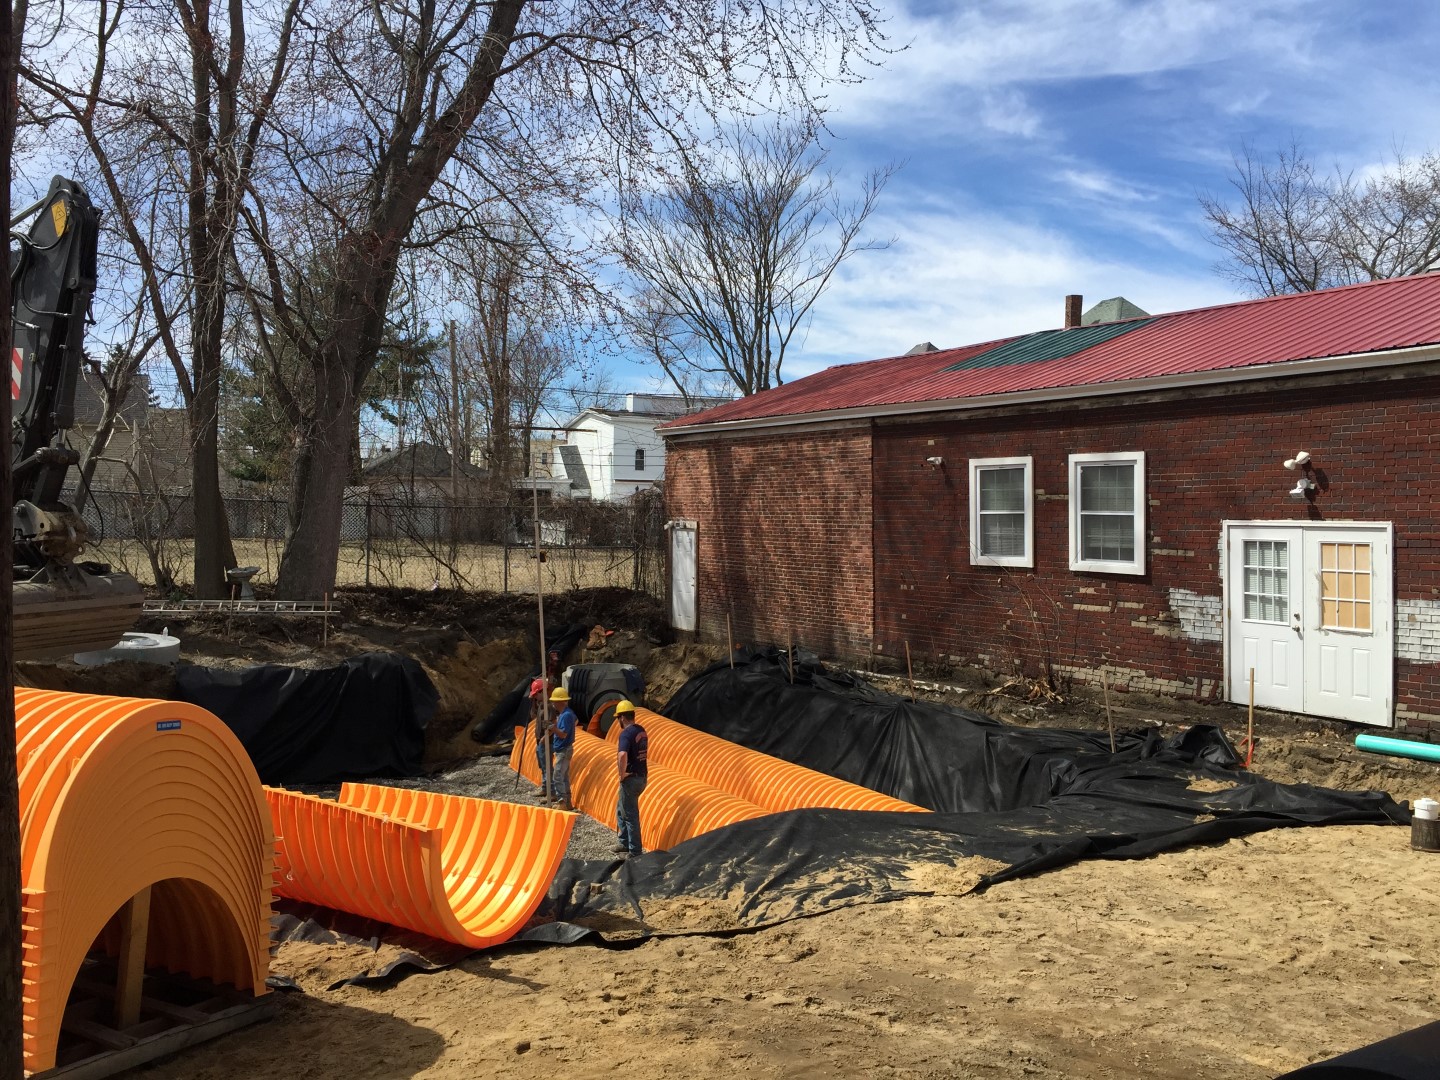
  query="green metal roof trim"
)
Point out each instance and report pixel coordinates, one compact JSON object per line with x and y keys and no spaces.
{"x":1048,"y":345}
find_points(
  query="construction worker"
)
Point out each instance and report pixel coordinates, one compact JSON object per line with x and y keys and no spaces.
{"x":634,"y":774}
{"x":562,"y":741}
{"x":540,"y":688}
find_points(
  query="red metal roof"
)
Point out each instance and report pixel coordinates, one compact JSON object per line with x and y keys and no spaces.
{"x":1370,"y":318}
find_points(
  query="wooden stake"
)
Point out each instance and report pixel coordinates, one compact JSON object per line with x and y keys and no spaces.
{"x":1109,"y":719}
{"x":1250,"y":724}
{"x":909,"y":671}
{"x":730,"y":641}
{"x":130,"y":976}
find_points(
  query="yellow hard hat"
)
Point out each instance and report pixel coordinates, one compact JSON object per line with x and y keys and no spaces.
{"x":559,"y":694}
{"x":623,"y":706}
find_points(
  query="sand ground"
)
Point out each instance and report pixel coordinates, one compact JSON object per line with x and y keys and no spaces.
{"x":1242,"y":960}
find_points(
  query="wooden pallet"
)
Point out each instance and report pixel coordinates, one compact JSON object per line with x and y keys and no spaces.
{"x":168,"y":1014}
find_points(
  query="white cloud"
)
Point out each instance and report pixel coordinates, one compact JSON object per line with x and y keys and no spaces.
{"x":1008,"y":112}
{"x":957,"y":276}
{"x":1098,"y":184}
{"x":965,"y":62}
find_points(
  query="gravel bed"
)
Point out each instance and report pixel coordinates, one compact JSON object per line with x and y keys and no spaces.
{"x":491,"y":778}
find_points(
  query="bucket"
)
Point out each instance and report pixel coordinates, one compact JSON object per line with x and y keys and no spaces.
{"x":1425,"y":825}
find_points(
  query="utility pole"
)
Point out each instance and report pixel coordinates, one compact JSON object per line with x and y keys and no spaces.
{"x":11,"y":1003}
{"x":529,"y":430}
{"x":454,"y":418}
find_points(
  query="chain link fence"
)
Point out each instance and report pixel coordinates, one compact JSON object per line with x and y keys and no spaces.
{"x":402,"y":540}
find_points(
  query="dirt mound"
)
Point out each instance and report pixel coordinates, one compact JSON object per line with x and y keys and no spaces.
{"x":471,"y":681}
{"x":123,"y":678}
{"x":669,"y":668}
{"x":490,"y":615}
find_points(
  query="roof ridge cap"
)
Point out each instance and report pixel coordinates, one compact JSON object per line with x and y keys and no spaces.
{"x":1278,"y":297}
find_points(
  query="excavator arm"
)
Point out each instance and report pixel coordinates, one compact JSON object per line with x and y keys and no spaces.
{"x":61,"y":606}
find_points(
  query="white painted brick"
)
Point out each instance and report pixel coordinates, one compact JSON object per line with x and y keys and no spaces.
{"x":1200,"y":616}
{"x":1418,"y":638}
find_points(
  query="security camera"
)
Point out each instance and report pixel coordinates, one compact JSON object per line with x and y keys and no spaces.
{"x":935,"y":462}
{"x":1302,"y":487}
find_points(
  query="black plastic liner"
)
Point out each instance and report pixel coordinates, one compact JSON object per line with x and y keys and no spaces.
{"x":1023,"y":799}
{"x":935,"y":756}
{"x":1412,"y":1055}
{"x":804,"y":862}
{"x":364,"y":718}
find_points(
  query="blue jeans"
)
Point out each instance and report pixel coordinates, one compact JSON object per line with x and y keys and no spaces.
{"x":560,"y":774}
{"x":627,"y":813}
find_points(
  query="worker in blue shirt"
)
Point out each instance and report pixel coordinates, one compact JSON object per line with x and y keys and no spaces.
{"x":562,"y":741}
{"x":633,"y":749}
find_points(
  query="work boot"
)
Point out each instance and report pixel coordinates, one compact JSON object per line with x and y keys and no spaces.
{"x":567,"y":806}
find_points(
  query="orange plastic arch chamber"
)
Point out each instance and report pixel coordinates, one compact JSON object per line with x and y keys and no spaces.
{"x":673,"y":808}
{"x":758,"y":778}
{"x":118,"y":795}
{"x":471,"y":871}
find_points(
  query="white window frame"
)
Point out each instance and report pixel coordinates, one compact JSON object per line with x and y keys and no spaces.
{"x":1104,"y":566}
{"x":639,"y":459}
{"x":977,"y":465}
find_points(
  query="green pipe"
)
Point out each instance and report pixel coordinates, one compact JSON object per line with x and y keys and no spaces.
{"x":1399,"y":747}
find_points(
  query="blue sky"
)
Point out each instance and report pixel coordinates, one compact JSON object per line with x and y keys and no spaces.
{"x":1052,"y":146}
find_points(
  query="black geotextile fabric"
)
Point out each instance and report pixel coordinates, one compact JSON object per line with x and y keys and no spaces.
{"x":1411,"y":1055}
{"x":1024,"y":800}
{"x":364,"y":718}
{"x":935,"y":756}
{"x":799,"y":863}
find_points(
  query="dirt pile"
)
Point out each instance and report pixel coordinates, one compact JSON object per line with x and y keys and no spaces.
{"x":123,"y":678}
{"x":669,"y":668}
{"x":471,"y":681}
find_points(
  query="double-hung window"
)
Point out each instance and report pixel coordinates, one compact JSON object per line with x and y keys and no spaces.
{"x":1107,"y":512}
{"x":640,"y":460}
{"x":1002,"y":512}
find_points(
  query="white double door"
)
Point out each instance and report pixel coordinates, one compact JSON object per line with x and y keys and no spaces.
{"x":1309,"y":609}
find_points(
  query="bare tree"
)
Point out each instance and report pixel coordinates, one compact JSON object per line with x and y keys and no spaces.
{"x":171,"y":100}
{"x":726,"y":264}
{"x":1297,"y":229}
{"x":404,"y":95}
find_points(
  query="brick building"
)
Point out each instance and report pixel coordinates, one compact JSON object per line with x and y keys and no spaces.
{"x":1120,"y":498}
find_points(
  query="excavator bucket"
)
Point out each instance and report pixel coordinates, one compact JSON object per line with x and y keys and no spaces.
{"x":74,"y":614}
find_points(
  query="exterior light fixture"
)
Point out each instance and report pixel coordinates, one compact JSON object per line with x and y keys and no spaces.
{"x":1302,"y":488}
{"x":935,"y":462}
{"x":1299,"y":461}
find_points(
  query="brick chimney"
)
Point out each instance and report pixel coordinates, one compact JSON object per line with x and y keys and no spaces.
{"x":1073,"y":303}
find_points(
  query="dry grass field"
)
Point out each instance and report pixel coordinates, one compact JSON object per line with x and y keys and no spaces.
{"x":405,"y":563}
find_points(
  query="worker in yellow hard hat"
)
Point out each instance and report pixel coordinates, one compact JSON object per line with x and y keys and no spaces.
{"x":562,"y":741}
{"x":631,"y":754}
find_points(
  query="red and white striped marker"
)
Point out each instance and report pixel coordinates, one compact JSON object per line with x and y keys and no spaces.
{"x":15,"y":373}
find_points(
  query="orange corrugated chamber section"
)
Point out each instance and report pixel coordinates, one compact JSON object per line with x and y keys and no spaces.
{"x":750,"y":775}
{"x":673,"y":808}
{"x":471,"y":871}
{"x":121,"y":794}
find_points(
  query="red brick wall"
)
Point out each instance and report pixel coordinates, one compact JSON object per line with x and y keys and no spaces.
{"x":1206,"y":461}
{"x":784,"y":536}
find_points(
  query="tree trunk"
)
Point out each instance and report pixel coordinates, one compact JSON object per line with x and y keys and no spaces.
{"x":317,"y":492}
{"x":214,"y":553}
